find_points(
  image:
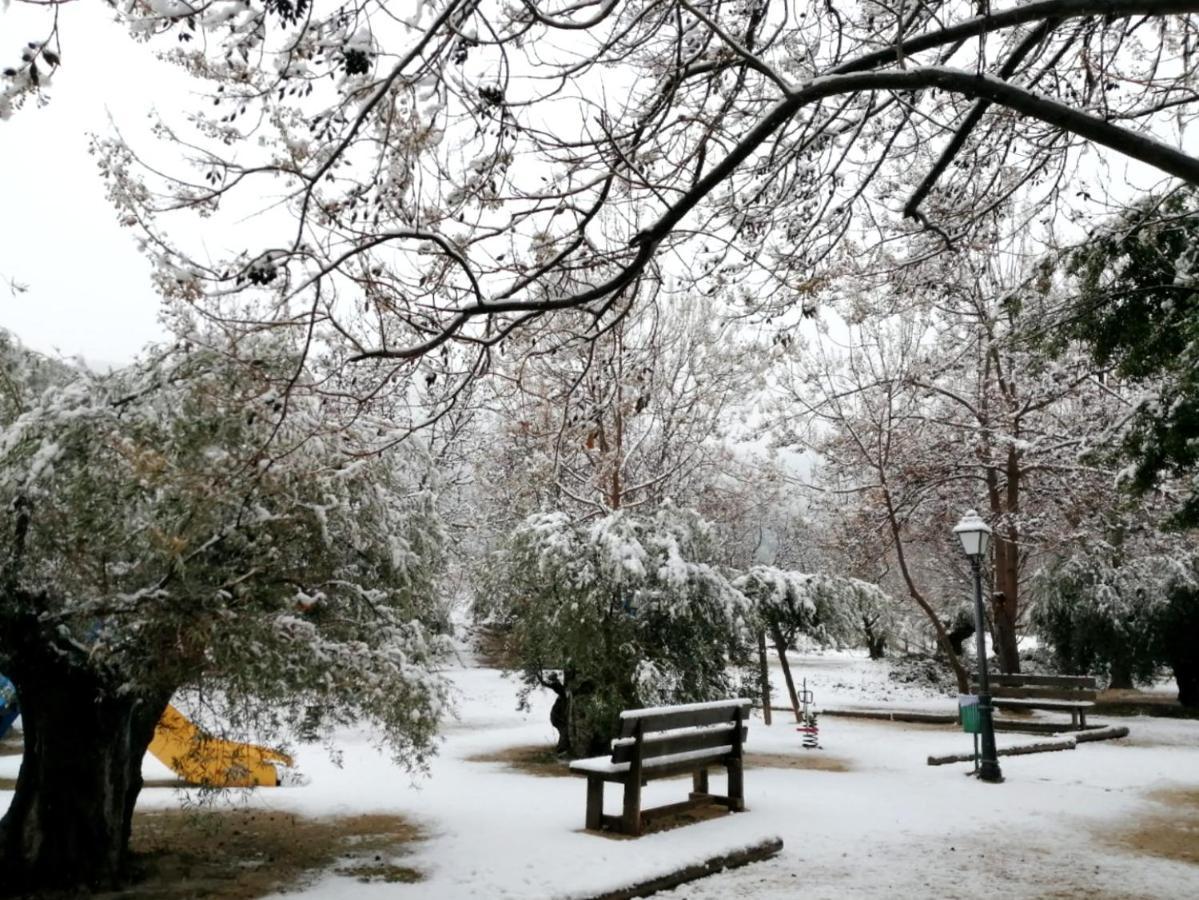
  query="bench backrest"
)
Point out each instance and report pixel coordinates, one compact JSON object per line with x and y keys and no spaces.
{"x":1041,"y":687}
{"x":692,"y":727}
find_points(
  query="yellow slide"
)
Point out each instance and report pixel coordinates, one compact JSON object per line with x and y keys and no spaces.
{"x":207,"y":761}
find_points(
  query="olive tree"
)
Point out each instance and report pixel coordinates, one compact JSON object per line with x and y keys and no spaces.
{"x":182,"y":523}
{"x":614,"y":613}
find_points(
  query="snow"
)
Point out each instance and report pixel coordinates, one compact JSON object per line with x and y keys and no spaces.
{"x":890,"y":825}
{"x":604,"y":766}
{"x":683,"y":707}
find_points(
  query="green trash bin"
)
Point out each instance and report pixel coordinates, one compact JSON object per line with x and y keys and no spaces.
{"x":969,"y":714}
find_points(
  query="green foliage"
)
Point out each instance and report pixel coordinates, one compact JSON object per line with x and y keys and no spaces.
{"x":832,"y":609}
{"x":184,"y":523}
{"x":1138,"y":311}
{"x":617,"y":613}
{"x":1124,"y":618}
{"x":1097,"y":616}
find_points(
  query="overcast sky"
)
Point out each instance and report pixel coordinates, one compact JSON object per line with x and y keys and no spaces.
{"x":89,"y":290}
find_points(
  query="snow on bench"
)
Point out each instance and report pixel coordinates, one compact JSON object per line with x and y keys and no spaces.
{"x":661,"y":741}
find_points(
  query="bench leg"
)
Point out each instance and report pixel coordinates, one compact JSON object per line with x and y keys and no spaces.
{"x":630,"y":819}
{"x":1082,"y":719}
{"x":595,"y":802}
{"x":736,"y":786}
{"x":699,"y":782}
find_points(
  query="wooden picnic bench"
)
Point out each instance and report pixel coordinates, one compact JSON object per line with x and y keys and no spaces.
{"x":1074,"y":694}
{"x":665,"y":741}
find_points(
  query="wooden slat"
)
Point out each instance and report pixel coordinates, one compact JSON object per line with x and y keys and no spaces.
{"x":1064,"y":681}
{"x":668,"y":743}
{"x":669,"y":770}
{"x":1014,"y":703}
{"x":1041,"y":693}
{"x":682,"y":717}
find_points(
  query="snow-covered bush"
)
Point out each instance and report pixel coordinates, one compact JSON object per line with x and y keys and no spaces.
{"x":614,"y":613}
{"x":188,"y":522}
{"x":1123,"y":617}
{"x":832,"y":609}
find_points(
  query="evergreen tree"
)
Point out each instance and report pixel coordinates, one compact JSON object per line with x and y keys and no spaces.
{"x":1138,"y":312}
{"x":1123,"y":617}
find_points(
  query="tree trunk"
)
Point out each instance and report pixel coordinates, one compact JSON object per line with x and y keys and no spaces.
{"x":958,"y":636}
{"x":876,"y":644}
{"x":780,"y":647}
{"x":69,"y":822}
{"x":1186,"y":673}
{"x":764,"y":677}
{"x":1003,"y":621}
{"x":1121,"y":677}
{"x":560,"y":714}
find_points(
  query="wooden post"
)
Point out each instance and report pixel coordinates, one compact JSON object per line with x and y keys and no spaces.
{"x":736,"y":775}
{"x":699,"y":782}
{"x":630,"y":820}
{"x":595,"y":802}
{"x":764,"y":675}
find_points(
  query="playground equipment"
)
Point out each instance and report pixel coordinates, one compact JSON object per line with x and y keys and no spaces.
{"x":196,"y":757}
{"x":207,"y":761}
{"x":9,"y":710}
{"x":809,"y":729}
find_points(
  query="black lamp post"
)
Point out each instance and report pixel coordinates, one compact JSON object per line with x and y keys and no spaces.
{"x":975,"y":537}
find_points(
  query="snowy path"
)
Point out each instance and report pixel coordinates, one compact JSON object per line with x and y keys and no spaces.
{"x":887,"y":827}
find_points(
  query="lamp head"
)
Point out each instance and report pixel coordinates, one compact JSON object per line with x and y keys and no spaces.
{"x":974,"y":534}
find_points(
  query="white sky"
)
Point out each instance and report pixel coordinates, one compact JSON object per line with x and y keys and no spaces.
{"x":89,"y":290}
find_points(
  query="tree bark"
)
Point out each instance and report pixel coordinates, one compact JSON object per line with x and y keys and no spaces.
{"x":69,"y":822}
{"x":764,"y":677}
{"x":877,"y":647}
{"x":780,"y":647}
{"x":1187,"y":676}
{"x":1003,"y":620}
{"x":958,"y":636}
{"x":1121,"y":677}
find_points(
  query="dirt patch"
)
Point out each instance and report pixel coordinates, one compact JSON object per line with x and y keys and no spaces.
{"x":13,"y":744}
{"x":537,"y":759}
{"x":1172,"y":833}
{"x":238,"y":854}
{"x":652,"y":824}
{"x":820,"y":762}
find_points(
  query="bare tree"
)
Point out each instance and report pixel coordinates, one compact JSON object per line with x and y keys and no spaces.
{"x":442,"y":163}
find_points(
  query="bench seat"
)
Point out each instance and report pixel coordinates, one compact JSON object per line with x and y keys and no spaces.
{"x":660,"y":742}
{"x":603,"y":765}
{"x":1014,"y":703}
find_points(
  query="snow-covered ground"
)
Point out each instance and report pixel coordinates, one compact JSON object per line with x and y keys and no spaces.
{"x":888,"y":826}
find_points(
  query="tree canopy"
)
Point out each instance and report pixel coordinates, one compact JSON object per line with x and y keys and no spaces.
{"x":1137,"y":310}
{"x":612,"y":614}
{"x":180,"y":523}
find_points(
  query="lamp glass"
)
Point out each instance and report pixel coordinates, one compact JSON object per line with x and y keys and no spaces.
{"x":974,"y":534}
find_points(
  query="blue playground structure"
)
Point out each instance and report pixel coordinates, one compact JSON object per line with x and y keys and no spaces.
{"x":9,"y":710}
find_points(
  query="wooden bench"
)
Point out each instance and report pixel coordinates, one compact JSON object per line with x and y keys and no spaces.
{"x":662,"y":742}
{"x":1074,"y":694}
